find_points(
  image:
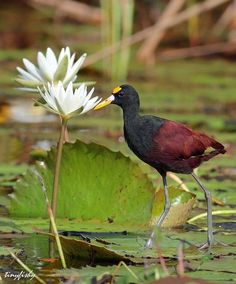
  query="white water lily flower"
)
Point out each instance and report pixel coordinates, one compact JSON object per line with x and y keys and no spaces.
{"x":49,"y":69}
{"x":68,"y":102}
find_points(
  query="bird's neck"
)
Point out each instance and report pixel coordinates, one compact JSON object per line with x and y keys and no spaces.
{"x":130,"y":112}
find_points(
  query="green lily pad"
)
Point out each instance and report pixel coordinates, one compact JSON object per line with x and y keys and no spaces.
{"x":94,"y":252}
{"x":180,"y":280}
{"x":132,"y":245}
{"x":28,"y":225}
{"x":95,"y":184}
{"x":213,"y":276}
{"x":4,"y":251}
{"x":27,"y":83}
{"x":181,"y":205}
{"x":7,"y":225}
{"x":128,"y":274}
{"x":222,"y":264}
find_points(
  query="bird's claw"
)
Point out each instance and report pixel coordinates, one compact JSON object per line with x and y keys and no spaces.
{"x":208,"y":245}
{"x":149,"y":244}
{"x":204,"y":246}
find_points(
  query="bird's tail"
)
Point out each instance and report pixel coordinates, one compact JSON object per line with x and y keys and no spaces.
{"x":219,"y":149}
{"x":212,"y":154}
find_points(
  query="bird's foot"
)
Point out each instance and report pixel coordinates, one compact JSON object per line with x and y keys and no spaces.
{"x":204,"y":246}
{"x":149,"y":243}
{"x":209,"y":244}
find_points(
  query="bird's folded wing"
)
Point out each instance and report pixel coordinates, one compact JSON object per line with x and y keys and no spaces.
{"x":175,"y":141}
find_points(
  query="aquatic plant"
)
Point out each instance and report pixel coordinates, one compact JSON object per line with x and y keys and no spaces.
{"x":53,"y":79}
{"x":49,"y":69}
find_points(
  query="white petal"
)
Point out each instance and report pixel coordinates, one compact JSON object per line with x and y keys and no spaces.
{"x":60,"y":96}
{"x":68,"y":102}
{"x":44,"y":70}
{"x":70,"y":92}
{"x":50,"y":94}
{"x":71,"y":73}
{"x":67,"y":51}
{"x":54,"y":90}
{"x":79,"y":96}
{"x":31,"y":68}
{"x":72,"y":80}
{"x":49,"y":100}
{"x":88,"y":96}
{"x":51,"y":60}
{"x":82,"y":91}
{"x":28,"y":89}
{"x":71,"y":61}
{"x":76,"y":102}
{"x":91,"y":104}
{"x":61,"y":55}
{"x":26,"y":75}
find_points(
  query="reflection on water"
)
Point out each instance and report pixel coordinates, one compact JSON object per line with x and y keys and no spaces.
{"x":33,"y":248}
{"x":43,"y":144}
{"x":24,"y":127}
{"x":10,"y":148}
{"x":21,"y":122}
{"x":23,"y":111}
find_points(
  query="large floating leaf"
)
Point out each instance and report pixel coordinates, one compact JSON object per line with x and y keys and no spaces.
{"x":95,"y":184}
{"x":219,"y":276}
{"x":5,"y":250}
{"x":131,"y":246}
{"x":92,"y":251}
{"x":122,"y":274}
{"x":7,"y":226}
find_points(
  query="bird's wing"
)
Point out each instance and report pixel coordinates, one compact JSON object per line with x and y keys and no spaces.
{"x":175,"y":141}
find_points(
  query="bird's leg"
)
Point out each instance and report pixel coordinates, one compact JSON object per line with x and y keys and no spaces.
{"x":207,"y":194}
{"x":164,"y":213}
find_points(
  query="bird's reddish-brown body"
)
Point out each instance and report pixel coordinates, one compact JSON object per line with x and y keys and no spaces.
{"x":179,"y":149}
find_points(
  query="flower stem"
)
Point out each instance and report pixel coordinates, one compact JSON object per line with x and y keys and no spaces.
{"x":57,"y":168}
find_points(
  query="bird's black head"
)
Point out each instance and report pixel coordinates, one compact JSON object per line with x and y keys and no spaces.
{"x":124,"y":96}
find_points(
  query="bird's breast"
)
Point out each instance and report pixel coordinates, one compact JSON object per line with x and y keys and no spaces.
{"x":138,"y":140}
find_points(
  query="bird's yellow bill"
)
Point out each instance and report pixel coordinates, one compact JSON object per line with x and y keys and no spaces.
{"x":104,"y":103}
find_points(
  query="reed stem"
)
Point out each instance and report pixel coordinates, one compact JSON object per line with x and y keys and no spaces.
{"x":53,"y":227}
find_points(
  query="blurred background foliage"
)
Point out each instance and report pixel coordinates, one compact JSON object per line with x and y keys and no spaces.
{"x":164,"y":29}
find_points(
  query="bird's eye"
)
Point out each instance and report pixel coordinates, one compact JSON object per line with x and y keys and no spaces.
{"x":121,"y":94}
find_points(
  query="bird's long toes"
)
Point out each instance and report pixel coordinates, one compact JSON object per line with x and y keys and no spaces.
{"x":149,"y":244}
{"x":221,"y":243}
{"x":208,"y":245}
{"x":205,"y":246}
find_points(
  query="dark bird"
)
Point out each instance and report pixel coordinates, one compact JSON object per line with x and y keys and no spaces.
{"x":165,"y":145}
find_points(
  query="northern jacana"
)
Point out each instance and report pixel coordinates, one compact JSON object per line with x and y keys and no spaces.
{"x":165,"y":145}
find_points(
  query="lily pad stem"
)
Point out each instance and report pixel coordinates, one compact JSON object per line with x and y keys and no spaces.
{"x":58,"y":166}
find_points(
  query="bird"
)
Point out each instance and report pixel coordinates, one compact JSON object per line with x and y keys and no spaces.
{"x":165,"y":145}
